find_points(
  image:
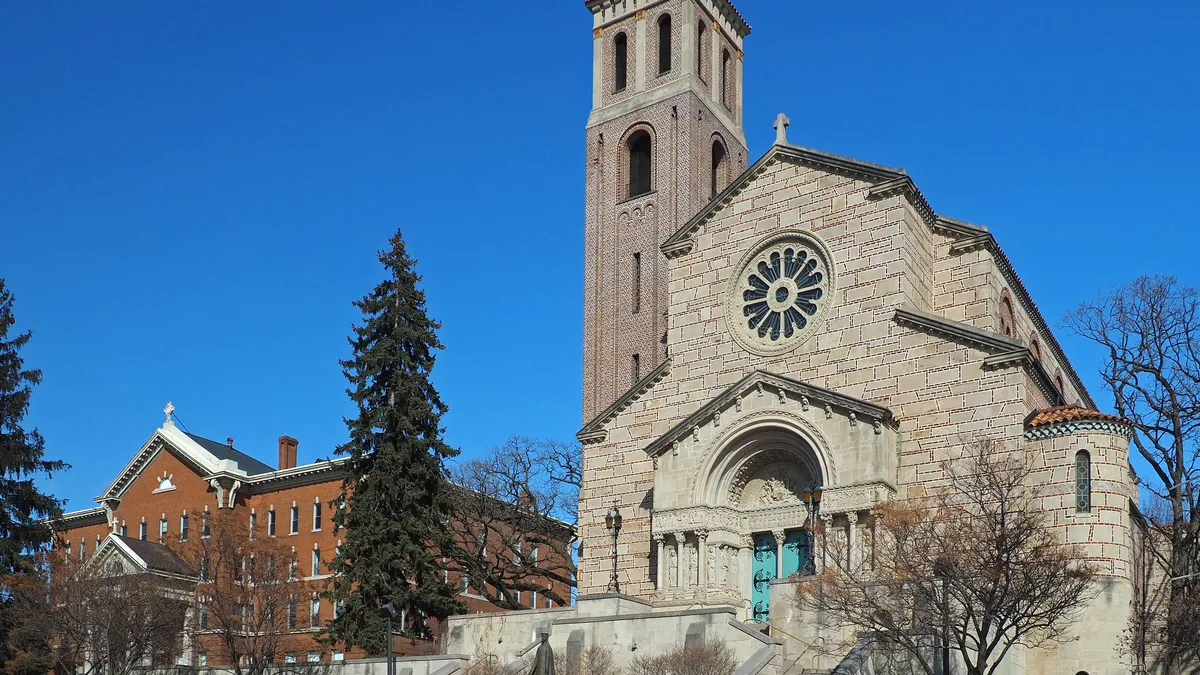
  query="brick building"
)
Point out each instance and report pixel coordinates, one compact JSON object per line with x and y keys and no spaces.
{"x":754,"y":329}
{"x":177,"y":482}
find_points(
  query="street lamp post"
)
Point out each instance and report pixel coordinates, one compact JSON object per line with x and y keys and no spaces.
{"x":389,"y":612}
{"x":812,"y":497}
{"x":612,"y":522}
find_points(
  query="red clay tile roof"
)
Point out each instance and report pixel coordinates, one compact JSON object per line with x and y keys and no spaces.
{"x":1072,"y":412}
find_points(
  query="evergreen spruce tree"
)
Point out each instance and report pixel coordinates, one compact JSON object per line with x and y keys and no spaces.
{"x":22,"y":504}
{"x":393,"y":503}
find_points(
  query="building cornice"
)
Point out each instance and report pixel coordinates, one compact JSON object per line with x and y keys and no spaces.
{"x":969,"y":237}
{"x":723,"y":8}
{"x":82,"y":518}
{"x":595,"y":431}
{"x":1079,"y":427}
{"x":1004,"y":351}
{"x":867,"y":411}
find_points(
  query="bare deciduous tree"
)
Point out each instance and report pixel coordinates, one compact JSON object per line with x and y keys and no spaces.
{"x":106,"y":620}
{"x":1149,"y":330}
{"x":514,"y":521}
{"x":251,"y":608}
{"x":708,"y":658}
{"x":971,"y":570}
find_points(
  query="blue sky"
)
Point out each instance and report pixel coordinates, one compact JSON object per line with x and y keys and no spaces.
{"x":191,"y":194}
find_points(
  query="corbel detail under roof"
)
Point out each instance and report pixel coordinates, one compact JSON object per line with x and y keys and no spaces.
{"x":595,"y":431}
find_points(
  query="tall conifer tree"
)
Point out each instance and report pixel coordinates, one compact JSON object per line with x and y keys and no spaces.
{"x":392,"y":503}
{"x":22,"y":504}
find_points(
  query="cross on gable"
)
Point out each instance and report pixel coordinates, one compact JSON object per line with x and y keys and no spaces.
{"x":781,"y":125}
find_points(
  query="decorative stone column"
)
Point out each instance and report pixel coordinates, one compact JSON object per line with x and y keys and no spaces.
{"x":660,"y":545}
{"x":680,"y":562}
{"x":779,"y":538}
{"x":746,"y":569}
{"x":852,"y":552}
{"x":861,"y":531}
{"x":826,"y":526}
{"x":702,"y":558}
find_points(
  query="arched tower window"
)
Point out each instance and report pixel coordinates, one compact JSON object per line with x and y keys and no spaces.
{"x":720,"y":163}
{"x":621,"y":62}
{"x":700,"y":50}
{"x":639,"y":163}
{"x":1006,"y":316}
{"x":1062,"y":387}
{"x":1083,"y":482}
{"x":725,"y":97}
{"x":1035,"y":348}
{"x":664,"y":43}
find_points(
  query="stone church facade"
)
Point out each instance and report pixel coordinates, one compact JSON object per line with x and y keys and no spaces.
{"x":793,"y":342}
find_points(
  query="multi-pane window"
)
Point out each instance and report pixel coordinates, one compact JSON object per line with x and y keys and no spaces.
{"x":1083,"y":482}
{"x":621,"y":61}
{"x":204,"y":568}
{"x":203,"y":620}
{"x":314,"y":657}
{"x":204,"y":531}
{"x":162,"y":527}
{"x":202,"y":659}
{"x":664,"y":44}
{"x":142,"y":531}
{"x":82,"y":550}
{"x":253,"y":524}
{"x":316,"y":516}
{"x":291,"y":615}
{"x":295,"y":519}
{"x":314,"y":613}
{"x":183,"y":527}
{"x":289,"y":657}
{"x":316,"y":561}
{"x":292,"y":568}
{"x":338,"y":656}
{"x":271,"y":522}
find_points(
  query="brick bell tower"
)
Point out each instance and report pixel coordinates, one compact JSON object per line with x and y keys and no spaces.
{"x":663,"y":138}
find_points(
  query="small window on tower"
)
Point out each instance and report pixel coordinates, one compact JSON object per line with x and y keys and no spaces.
{"x":664,"y":44}
{"x":621,"y":61}
{"x":700,"y":50}
{"x":725,"y":78}
{"x":637,"y":368}
{"x":639,"y":163}
{"x":719,"y":164}
{"x":1083,"y":482}
{"x":637,"y":282}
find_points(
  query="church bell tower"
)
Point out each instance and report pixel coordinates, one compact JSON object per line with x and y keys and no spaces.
{"x":663,"y":138}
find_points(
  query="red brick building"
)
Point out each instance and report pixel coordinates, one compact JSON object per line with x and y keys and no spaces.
{"x":177,"y":481}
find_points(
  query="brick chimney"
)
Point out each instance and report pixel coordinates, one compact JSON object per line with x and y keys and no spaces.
{"x":287,"y":452}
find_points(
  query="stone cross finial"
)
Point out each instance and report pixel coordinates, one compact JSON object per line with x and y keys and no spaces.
{"x":781,"y":124}
{"x":169,"y":410}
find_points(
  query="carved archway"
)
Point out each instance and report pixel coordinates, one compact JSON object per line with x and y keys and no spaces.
{"x":771,"y":457}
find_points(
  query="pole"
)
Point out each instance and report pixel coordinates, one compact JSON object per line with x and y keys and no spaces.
{"x":391,"y":666}
{"x":616,"y":581}
{"x":945,"y":627}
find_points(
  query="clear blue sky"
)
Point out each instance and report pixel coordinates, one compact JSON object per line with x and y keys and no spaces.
{"x":191,"y":194}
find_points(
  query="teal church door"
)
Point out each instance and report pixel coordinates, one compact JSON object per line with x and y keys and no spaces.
{"x":795,"y":553}
{"x":763,"y":571}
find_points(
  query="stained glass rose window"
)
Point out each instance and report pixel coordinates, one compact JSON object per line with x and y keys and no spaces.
{"x":780,"y":293}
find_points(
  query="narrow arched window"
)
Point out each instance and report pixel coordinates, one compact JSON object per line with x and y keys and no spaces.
{"x":621,"y":63}
{"x":1006,"y":316}
{"x":639,"y":163}
{"x":1035,"y":348}
{"x":700,"y":50}
{"x":1083,"y":482}
{"x":725,"y":97}
{"x":664,"y":43}
{"x":718,"y":168}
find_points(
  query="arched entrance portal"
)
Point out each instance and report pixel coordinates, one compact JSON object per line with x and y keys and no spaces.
{"x":754,"y":501}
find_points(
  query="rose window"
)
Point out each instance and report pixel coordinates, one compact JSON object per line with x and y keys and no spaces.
{"x":780,"y":294}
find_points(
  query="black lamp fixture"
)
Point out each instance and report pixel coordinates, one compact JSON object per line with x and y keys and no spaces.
{"x":612,"y":522}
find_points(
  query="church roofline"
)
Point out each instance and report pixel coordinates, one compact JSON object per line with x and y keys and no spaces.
{"x":969,"y":236}
{"x":867,"y":410}
{"x":1005,"y":351}
{"x":890,"y":181}
{"x":594,"y":431}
